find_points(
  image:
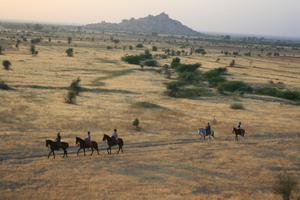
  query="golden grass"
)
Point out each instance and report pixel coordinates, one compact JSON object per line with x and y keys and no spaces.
{"x":166,"y":160}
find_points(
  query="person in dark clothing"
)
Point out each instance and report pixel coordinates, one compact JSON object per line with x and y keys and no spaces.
{"x":239,"y":125}
{"x":208,"y":129}
{"x":58,"y":139}
{"x":89,"y":138}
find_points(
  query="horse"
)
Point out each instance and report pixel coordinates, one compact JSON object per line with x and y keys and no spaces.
{"x":111,"y":142}
{"x":54,"y":146}
{"x":85,"y":145}
{"x":237,"y":132}
{"x":204,"y":133}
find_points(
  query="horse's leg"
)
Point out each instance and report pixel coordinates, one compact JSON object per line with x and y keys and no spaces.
{"x":119,"y":149}
{"x":92,"y":151}
{"x":53,"y":155}
{"x":107,"y":150}
{"x":83,"y":151}
{"x":49,"y":153}
{"x":66,"y":153}
{"x":78,"y":151}
{"x":97,"y":150}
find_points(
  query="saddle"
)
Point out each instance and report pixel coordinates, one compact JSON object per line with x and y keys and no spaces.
{"x":115,"y":141}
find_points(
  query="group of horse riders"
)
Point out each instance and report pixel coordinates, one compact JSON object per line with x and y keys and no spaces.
{"x":208,"y":130}
{"x":88,"y":139}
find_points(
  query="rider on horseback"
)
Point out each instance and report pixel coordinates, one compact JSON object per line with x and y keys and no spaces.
{"x":208,"y":129}
{"x":88,"y":139}
{"x":58,"y":139}
{"x":240,"y":126}
{"x":115,"y":136}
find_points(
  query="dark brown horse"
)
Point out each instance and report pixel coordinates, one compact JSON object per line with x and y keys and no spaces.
{"x":237,"y":132}
{"x":54,"y":146}
{"x":111,"y":142}
{"x":86,"y":145}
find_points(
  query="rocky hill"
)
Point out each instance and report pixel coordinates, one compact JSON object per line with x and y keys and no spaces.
{"x":161,"y":24}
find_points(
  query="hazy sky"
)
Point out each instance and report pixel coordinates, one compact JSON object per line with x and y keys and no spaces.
{"x":266,"y":17}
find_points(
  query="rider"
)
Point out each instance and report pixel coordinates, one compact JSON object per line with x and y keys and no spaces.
{"x":58,"y":139}
{"x":88,"y":139}
{"x":239,"y":125}
{"x":208,"y":129}
{"x":115,"y":135}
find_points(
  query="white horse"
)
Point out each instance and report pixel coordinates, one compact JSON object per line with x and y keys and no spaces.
{"x":203,"y":133}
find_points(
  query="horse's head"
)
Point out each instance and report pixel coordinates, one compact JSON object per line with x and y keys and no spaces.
{"x":105,"y":137}
{"x":233,"y":130}
{"x":77,"y":140}
{"x":47,"y":143}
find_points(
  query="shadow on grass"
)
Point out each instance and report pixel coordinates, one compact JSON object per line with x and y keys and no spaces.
{"x":83,"y":89}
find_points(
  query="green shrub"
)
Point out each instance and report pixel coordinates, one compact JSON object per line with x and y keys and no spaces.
{"x":70,"y":52}
{"x":175,"y":62}
{"x":136,"y":123}
{"x":140,"y":45}
{"x":275,"y":92}
{"x":137,"y":59}
{"x":4,"y":86}
{"x":200,"y":51}
{"x":284,"y":186}
{"x":33,"y":50}
{"x":189,"y":77}
{"x":71,"y":97}
{"x":234,"y":86}
{"x":215,"y":81}
{"x":237,"y":106}
{"x":75,"y":86}
{"x":215,"y":72}
{"x":1,"y":50}
{"x":6,"y":64}
{"x":35,"y":41}
{"x":191,"y":91}
{"x":154,"y":48}
{"x":150,"y":62}
{"x":173,"y":88}
{"x":187,"y":68}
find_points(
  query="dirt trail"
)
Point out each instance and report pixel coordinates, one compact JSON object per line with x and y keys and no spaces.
{"x":130,"y":147}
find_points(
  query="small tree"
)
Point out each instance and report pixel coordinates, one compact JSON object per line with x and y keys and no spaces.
{"x":4,"y":86}
{"x":140,"y":45}
{"x":49,"y":39}
{"x":136,"y":124}
{"x":69,"y":40}
{"x":284,"y":186}
{"x":18,"y":43}
{"x":6,"y":64}
{"x":70,"y":98}
{"x":70,"y":52}
{"x":232,"y":64}
{"x":154,"y":48}
{"x":130,"y":47}
{"x":75,"y":86}
{"x":33,"y":50}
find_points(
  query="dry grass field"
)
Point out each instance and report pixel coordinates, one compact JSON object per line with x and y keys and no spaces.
{"x":166,"y":159}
